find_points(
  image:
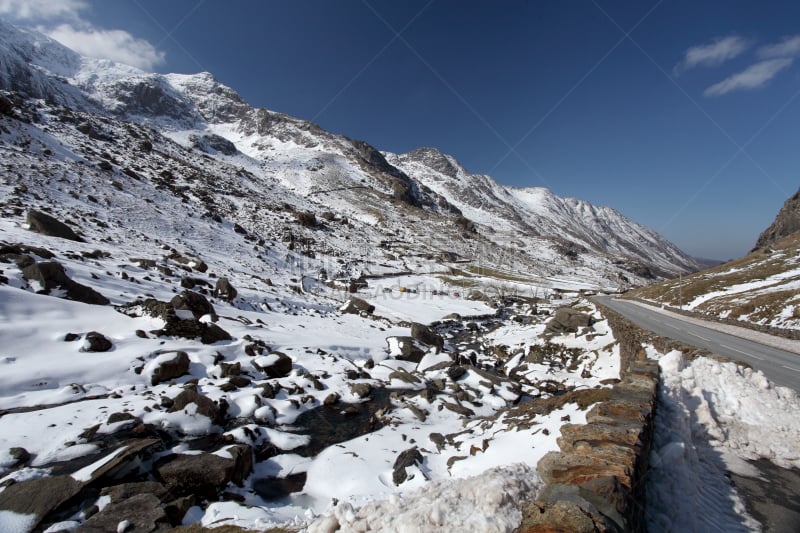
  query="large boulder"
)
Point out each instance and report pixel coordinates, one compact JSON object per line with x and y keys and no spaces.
{"x":274,"y":365}
{"x":206,"y":474}
{"x":357,"y":306}
{"x":225,"y":290}
{"x":405,"y":348}
{"x":425,"y":335}
{"x":35,"y":499}
{"x":567,"y":320}
{"x":190,"y":304}
{"x":141,"y":512}
{"x":50,"y":275}
{"x":96,"y":342}
{"x":47,"y":225}
{"x":170,"y":367}
{"x":407,"y":458}
{"x":203,"y":404}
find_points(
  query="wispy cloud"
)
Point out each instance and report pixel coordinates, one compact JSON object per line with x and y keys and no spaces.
{"x":712,"y":54}
{"x":116,"y":45}
{"x":752,"y":77}
{"x":788,"y":47}
{"x":41,"y":9}
{"x":62,"y":20}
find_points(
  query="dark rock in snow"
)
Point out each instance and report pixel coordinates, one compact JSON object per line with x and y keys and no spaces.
{"x":425,"y":335}
{"x":274,"y":365}
{"x":19,"y":455}
{"x":224,"y":289}
{"x":409,"y":457}
{"x":567,"y":320}
{"x":409,"y":351}
{"x":96,"y":342}
{"x":206,"y":474}
{"x":192,"y":302}
{"x":51,"y":276}
{"x":38,"y":497}
{"x":47,"y":225}
{"x":171,"y":368}
{"x":357,"y":306}
{"x":142,"y":512}
{"x":455,"y":372}
{"x":205,"y":406}
{"x":210,"y":142}
{"x":362,"y":390}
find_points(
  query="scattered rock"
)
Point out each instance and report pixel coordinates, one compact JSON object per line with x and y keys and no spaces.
{"x":455,"y":372}
{"x":331,"y":399}
{"x":96,"y":342}
{"x":47,"y":225}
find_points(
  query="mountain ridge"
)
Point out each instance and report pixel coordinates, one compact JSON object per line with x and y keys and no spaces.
{"x":349,"y":177}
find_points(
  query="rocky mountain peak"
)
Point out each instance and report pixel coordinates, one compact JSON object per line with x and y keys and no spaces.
{"x":435,"y":159}
{"x":786,"y":223}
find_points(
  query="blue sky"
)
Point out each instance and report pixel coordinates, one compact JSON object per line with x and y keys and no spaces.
{"x":680,"y":114}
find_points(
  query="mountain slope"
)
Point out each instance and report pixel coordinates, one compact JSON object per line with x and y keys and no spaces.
{"x":761,"y":288}
{"x":422,"y":211}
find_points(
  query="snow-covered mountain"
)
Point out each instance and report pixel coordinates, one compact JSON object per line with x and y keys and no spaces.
{"x":423,"y":201}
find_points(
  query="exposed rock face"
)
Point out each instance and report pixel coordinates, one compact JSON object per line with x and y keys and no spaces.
{"x":567,"y":320}
{"x":212,"y":143}
{"x":47,"y":225}
{"x":142,"y":512}
{"x":182,"y":316}
{"x":786,"y":223}
{"x":190,"y":304}
{"x":51,"y":276}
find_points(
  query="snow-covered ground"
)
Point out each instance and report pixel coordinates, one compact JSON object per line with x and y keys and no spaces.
{"x":711,"y":418}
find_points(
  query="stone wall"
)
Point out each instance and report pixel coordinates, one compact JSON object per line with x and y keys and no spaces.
{"x":595,"y":483}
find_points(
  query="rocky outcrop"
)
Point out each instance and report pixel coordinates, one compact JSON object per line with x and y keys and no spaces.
{"x":50,"y":275}
{"x":171,"y":368}
{"x":786,"y":223}
{"x":206,"y":474}
{"x":223,"y":289}
{"x":425,"y":335}
{"x":567,"y":320}
{"x":47,"y":225}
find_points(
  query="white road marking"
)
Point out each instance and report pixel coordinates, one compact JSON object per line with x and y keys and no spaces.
{"x":791,"y":368}
{"x":741,"y":352}
{"x":699,"y":336}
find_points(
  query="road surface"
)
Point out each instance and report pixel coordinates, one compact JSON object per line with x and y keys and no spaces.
{"x":781,"y":367}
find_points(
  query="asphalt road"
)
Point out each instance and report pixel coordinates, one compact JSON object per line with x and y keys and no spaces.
{"x":781,"y":367}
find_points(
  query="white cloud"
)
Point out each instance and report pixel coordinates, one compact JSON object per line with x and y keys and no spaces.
{"x":752,"y":77}
{"x":116,"y":45}
{"x":788,"y":47}
{"x":41,"y":9}
{"x":714,"y":53}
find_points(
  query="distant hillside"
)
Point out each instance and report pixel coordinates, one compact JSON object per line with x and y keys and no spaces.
{"x":762,"y":287}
